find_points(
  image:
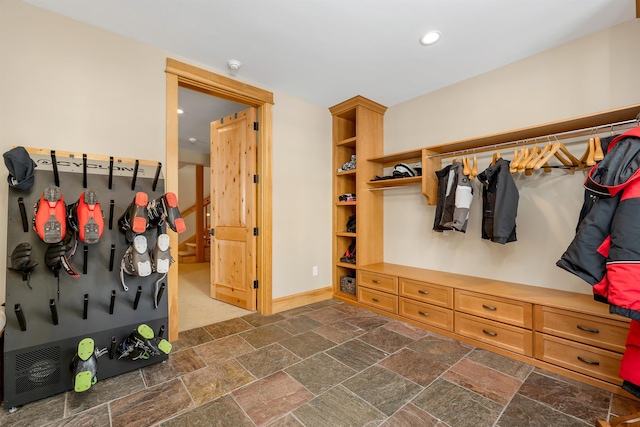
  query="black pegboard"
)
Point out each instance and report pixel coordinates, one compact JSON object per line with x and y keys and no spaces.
{"x":98,"y":282}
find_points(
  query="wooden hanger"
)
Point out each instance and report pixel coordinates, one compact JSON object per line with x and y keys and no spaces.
{"x":540,"y":155}
{"x":574,"y":161}
{"x":495,"y":158}
{"x":598,"y":154}
{"x":474,"y":168}
{"x":517,"y":158}
{"x":466,"y":168}
{"x":588,"y":158}
{"x":556,"y":150}
{"x":522,"y":166}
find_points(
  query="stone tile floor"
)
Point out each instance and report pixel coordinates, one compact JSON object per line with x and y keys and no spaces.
{"x":327,"y":364}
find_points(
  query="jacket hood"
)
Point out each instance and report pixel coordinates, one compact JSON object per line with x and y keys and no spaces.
{"x":619,"y":167}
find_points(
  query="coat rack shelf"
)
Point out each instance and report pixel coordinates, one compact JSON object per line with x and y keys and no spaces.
{"x":431,"y":156}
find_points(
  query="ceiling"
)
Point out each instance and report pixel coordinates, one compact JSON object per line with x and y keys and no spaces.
{"x":326,"y":51}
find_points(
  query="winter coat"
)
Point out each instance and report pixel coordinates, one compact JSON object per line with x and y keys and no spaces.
{"x":454,"y":199}
{"x":605,"y":251}
{"x":499,"y":203}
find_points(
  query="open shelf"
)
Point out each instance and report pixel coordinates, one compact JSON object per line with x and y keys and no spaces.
{"x":397,"y":182}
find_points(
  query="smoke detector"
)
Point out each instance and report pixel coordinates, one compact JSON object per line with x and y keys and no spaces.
{"x":233,"y":66}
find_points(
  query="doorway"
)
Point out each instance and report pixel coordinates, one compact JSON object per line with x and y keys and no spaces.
{"x":187,"y":76}
{"x":197,"y":305}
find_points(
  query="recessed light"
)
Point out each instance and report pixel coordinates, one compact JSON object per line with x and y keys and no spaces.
{"x":430,"y":38}
{"x":180,"y":111}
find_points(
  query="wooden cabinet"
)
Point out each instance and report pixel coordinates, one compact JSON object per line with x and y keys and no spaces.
{"x":431,"y":157}
{"x":588,"y":329}
{"x":357,"y":131}
{"x":502,"y":322}
{"x":585,"y":343}
{"x":564,"y":332}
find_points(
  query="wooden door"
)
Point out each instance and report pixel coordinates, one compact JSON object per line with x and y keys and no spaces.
{"x":233,"y":202}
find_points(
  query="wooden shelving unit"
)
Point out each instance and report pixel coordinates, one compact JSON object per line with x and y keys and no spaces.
{"x":584,"y":126}
{"x":357,"y":130}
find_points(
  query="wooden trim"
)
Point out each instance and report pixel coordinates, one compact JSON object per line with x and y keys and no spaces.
{"x":637,"y":9}
{"x":171,"y":184}
{"x":265,"y":214}
{"x":358,"y":100}
{"x":304,"y":298}
{"x":98,"y":157}
{"x":199,"y":214}
{"x":223,"y":86}
{"x":184,"y":75}
{"x":485,"y":143}
{"x":192,"y":209}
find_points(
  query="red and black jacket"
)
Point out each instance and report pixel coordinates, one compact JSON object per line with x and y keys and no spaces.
{"x":606,"y":249}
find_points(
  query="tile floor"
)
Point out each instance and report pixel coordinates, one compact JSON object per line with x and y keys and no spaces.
{"x":327,"y":364}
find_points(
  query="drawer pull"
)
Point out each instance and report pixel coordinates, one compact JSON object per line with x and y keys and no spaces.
{"x":377,"y":282}
{"x":423,"y":313}
{"x":590,"y":362}
{"x":491,"y":334}
{"x":489,"y":307}
{"x":593,"y":331}
{"x":420,"y":291}
{"x":375,"y":300}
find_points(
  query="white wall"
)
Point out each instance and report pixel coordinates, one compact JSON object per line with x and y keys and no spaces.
{"x":69,"y":86}
{"x":592,"y":74}
{"x":301,"y":196}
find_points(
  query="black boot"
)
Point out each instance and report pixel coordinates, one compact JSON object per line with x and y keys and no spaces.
{"x":165,"y":209}
{"x":135,"y":218}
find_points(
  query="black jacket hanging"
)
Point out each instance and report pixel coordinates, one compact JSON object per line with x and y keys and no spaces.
{"x":499,"y":203}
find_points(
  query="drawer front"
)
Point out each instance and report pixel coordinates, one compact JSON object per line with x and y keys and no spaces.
{"x":500,"y":335}
{"x":587,"y":329}
{"x":426,"y":313}
{"x":595,"y":362}
{"x":426,"y":292}
{"x":381,"y":282}
{"x":516,"y":313}
{"x":380,"y":300}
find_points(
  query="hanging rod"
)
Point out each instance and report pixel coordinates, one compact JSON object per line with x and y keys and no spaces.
{"x":591,"y":130}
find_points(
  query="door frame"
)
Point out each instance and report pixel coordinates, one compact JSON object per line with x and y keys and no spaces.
{"x":184,"y":75}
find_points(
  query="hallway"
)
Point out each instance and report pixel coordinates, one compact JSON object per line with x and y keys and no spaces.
{"x":195,"y":307}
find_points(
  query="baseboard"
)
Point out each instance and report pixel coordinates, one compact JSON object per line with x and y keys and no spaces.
{"x":304,"y":298}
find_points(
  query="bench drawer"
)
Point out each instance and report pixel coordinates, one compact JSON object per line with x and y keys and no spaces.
{"x":427,"y":292}
{"x":595,"y":362}
{"x":510,"y":338}
{"x":380,"y":300}
{"x":426,"y":313}
{"x":516,"y":313}
{"x":592,"y":330}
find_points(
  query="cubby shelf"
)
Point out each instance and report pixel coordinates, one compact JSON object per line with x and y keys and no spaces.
{"x":357,"y":130}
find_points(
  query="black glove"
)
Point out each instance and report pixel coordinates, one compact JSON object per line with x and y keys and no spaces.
{"x":21,"y":261}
